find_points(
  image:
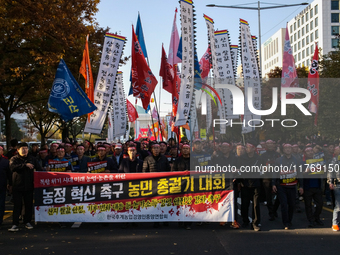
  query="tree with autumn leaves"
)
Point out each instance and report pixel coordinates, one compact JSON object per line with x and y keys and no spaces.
{"x":34,"y":36}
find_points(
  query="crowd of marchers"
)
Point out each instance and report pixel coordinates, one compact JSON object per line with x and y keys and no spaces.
{"x":284,"y":190}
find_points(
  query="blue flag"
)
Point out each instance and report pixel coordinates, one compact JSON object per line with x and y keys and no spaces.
{"x":67,"y":98}
{"x":140,"y":37}
{"x":148,"y":109}
{"x":179,"y":51}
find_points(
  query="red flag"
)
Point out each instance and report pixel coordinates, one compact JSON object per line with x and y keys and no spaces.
{"x":131,"y":110}
{"x":166,"y":72}
{"x":143,"y":80}
{"x":289,"y":76}
{"x":313,"y":84}
{"x":86,"y":71}
{"x":205,"y":65}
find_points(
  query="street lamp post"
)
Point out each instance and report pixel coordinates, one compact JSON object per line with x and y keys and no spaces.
{"x":259,"y":8}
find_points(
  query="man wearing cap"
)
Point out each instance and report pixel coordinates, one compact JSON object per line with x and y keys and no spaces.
{"x":131,"y":164}
{"x":333,"y":178}
{"x":312,"y":186}
{"x":5,"y":181}
{"x":156,"y":162}
{"x":111,"y":166}
{"x":22,"y":166}
{"x":268,"y":159}
{"x":250,"y":186}
{"x":118,"y":154}
{"x":284,"y":182}
{"x":81,"y":160}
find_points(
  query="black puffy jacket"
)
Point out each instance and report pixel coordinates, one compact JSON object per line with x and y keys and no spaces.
{"x":22,"y":175}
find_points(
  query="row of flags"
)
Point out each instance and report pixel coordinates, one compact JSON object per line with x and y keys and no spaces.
{"x":68,"y":99}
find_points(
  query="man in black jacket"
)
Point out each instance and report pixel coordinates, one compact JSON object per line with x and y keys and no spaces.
{"x":111,"y":166}
{"x":250,"y":186}
{"x":156,"y":162}
{"x":268,"y":159}
{"x":131,"y":164}
{"x":22,"y":166}
{"x":182,"y":163}
{"x":5,"y":181}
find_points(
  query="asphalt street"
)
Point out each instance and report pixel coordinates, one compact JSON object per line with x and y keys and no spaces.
{"x":93,"y":238}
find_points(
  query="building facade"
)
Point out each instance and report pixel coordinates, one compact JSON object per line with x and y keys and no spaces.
{"x":317,"y":23}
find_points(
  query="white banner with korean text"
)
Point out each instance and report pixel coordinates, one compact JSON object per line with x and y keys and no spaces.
{"x":111,"y":55}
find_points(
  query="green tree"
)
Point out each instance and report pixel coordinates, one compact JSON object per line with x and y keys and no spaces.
{"x":34,"y":35}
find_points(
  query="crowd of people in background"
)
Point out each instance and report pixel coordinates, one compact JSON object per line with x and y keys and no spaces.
{"x":284,"y":191}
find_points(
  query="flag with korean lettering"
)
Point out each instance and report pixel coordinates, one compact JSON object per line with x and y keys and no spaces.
{"x":143,"y":80}
{"x":289,"y":76}
{"x":67,"y":98}
{"x":313,"y":84}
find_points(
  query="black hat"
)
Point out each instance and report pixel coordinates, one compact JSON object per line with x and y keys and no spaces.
{"x":22,"y":145}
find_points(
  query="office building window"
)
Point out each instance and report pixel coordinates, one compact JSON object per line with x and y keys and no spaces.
{"x":316,"y":9}
{"x":295,"y":47}
{"x":335,"y":17}
{"x":307,"y":39}
{"x":335,"y":30}
{"x":303,"y":31}
{"x":335,"y":43}
{"x":311,"y":25}
{"x":277,"y":45}
{"x":303,"y":54}
{"x":294,"y":26}
{"x":311,"y":37}
{"x":299,"y":56}
{"x":306,"y":16}
{"x":298,"y":23}
{"x":312,"y":49}
{"x":295,"y":58}
{"x":311,"y":13}
{"x":302,"y":20}
{"x":295,"y":37}
{"x":335,"y":5}
{"x":316,"y":21}
{"x":316,"y":34}
{"x":299,"y":45}
{"x":307,"y":28}
{"x":307,"y":62}
{"x":303,"y":43}
{"x":291,"y":39}
{"x":299,"y":34}
{"x":307,"y":52}
{"x":291,"y":29}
